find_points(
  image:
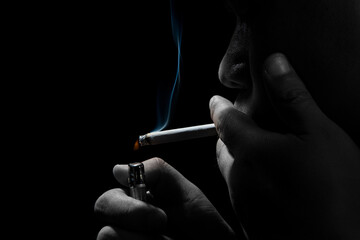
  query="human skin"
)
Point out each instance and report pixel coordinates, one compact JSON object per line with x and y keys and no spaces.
{"x":302,"y":184}
{"x":283,"y":188}
{"x":177,"y":208}
{"x":321,"y":39}
{"x":291,"y":161}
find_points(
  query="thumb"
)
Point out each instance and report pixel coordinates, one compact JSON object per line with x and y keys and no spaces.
{"x":158,"y":176}
{"x":184,"y":203}
{"x":166,"y":184}
{"x":289,"y":95}
{"x":236,"y":129}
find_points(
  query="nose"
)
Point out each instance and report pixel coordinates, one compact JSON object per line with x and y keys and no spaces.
{"x":234,"y":74}
{"x":234,"y":70}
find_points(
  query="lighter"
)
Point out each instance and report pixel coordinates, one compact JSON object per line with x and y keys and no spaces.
{"x":137,"y":181}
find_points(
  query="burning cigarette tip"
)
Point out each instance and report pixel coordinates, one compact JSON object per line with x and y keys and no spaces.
{"x":136,"y":145}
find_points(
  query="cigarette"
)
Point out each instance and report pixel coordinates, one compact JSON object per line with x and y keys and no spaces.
{"x":178,"y":134}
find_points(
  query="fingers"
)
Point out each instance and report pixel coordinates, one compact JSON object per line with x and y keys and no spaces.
{"x":115,"y":233}
{"x":117,"y":208}
{"x":235,"y":128}
{"x":289,"y":94}
{"x":162,"y":178}
{"x":184,"y":203}
{"x":152,"y":167}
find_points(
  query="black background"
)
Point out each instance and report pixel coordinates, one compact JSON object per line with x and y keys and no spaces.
{"x":131,"y":55}
{"x":81,"y":83}
{"x":90,"y":86}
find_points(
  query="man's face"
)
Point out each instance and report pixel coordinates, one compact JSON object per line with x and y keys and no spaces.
{"x":321,"y":40}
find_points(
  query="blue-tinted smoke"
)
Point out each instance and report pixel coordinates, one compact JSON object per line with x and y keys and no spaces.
{"x":163,"y":115}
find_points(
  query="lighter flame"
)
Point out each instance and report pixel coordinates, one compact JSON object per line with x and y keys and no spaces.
{"x":136,"y":145}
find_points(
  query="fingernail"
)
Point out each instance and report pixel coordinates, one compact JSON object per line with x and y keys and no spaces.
{"x":277,"y":65}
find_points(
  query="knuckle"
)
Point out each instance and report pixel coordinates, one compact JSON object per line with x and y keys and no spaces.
{"x":160,"y":164}
{"x":296,"y":96}
{"x":158,"y":161}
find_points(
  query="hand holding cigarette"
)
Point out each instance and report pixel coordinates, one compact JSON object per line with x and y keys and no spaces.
{"x":310,"y":175}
